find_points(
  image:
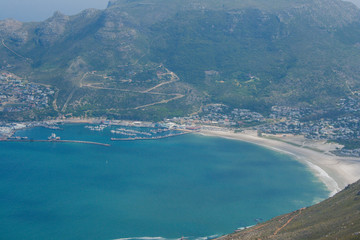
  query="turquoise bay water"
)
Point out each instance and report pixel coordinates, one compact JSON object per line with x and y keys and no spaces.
{"x":189,"y":186}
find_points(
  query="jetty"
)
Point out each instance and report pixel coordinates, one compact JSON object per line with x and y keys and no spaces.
{"x":55,"y":141}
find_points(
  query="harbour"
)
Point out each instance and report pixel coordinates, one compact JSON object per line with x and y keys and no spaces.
{"x":126,"y":132}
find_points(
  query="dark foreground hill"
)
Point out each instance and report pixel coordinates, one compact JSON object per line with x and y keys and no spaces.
{"x":335,"y":218}
{"x":149,"y":59}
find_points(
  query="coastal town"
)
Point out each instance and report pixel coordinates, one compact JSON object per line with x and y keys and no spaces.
{"x":312,"y":124}
{"x":340,"y":124}
{"x":18,"y":95}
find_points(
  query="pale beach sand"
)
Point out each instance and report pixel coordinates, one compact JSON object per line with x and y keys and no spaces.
{"x":334,"y":171}
{"x":79,"y":120}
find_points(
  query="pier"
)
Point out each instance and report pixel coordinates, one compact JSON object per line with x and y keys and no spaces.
{"x":55,"y":141}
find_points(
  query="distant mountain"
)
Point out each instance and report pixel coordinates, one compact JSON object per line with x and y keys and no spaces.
{"x":356,"y":2}
{"x":335,"y":218}
{"x":150,"y":59}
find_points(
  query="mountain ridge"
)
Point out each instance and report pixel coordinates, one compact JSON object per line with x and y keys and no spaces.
{"x":282,"y":47}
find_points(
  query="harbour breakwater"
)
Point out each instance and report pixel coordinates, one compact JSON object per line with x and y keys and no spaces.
{"x":93,"y":143}
{"x":56,"y":141}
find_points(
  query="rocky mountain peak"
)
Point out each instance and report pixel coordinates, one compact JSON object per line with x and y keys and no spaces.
{"x":111,"y":3}
{"x":58,"y":16}
{"x":49,"y":30}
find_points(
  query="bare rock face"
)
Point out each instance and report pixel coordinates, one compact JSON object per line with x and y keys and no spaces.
{"x":76,"y":71}
{"x":114,"y":26}
{"x":88,"y":13}
{"x":50,"y":30}
{"x":14,"y":31}
{"x":77,"y":65}
{"x":119,"y":31}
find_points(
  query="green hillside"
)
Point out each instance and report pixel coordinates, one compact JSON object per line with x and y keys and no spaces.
{"x":152,"y":59}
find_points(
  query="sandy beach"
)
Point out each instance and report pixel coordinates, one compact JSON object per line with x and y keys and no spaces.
{"x":78,"y":120}
{"x":334,"y":171}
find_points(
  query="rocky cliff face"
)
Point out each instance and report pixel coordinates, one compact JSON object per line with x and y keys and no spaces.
{"x":50,"y":30}
{"x":14,"y":31}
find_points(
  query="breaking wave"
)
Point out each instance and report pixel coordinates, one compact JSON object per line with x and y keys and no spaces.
{"x":162,"y":238}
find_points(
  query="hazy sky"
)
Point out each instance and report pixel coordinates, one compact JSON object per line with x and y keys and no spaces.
{"x":38,"y":10}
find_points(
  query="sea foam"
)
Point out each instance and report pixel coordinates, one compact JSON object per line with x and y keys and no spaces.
{"x":162,"y":238}
{"x":329,"y":181}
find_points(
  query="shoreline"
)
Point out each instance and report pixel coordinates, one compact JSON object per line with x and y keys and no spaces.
{"x":334,"y":171}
